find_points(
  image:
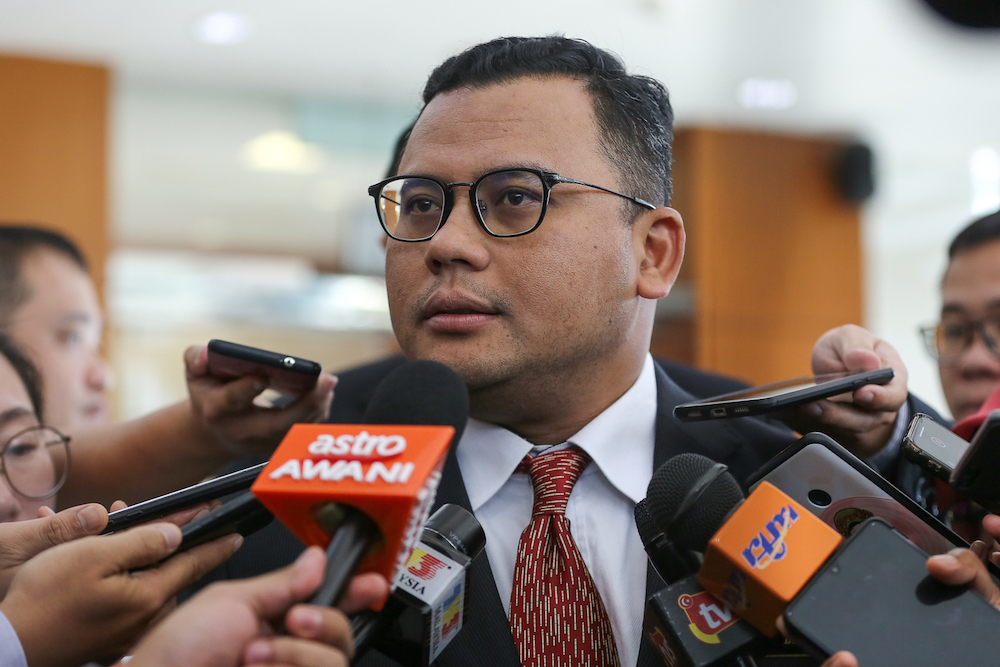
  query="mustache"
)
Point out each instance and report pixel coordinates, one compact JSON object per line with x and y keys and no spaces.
{"x":494,"y":298}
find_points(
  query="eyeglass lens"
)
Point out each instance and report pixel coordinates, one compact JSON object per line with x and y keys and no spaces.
{"x":954,"y":338}
{"x":35,"y":462}
{"x":508,"y":203}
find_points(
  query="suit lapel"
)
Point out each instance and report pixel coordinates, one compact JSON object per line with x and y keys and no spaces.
{"x":486,"y":638}
{"x":670,"y":440}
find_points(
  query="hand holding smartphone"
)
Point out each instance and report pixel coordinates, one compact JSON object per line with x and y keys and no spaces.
{"x":289,"y":376}
{"x":780,"y":395}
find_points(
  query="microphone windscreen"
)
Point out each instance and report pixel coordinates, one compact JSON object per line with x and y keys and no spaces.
{"x":452,"y":526}
{"x":421,"y":392}
{"x":674,"y":483}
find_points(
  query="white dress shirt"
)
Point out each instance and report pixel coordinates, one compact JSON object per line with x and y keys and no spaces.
{"x":620,"y":441}
{"x":11,"y":653}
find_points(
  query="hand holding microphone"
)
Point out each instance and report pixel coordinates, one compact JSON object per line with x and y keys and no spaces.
{"x":236,"y":622}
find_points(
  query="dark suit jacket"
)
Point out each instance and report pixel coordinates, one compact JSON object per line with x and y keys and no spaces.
{"x":742,"y":444}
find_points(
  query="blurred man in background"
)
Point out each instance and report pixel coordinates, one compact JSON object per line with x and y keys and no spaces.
{"x":49,"y":309}
{"x":966,"y":342}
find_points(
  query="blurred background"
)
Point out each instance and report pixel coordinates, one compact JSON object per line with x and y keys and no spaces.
{"x":212,"y":160}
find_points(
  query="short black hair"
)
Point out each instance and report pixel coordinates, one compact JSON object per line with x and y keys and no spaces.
{"x":633,"y":113}
{"x":398,"y":149}
{"x":978,"y":232}
{"x":25,"y":370}
{"x":17,"y":241}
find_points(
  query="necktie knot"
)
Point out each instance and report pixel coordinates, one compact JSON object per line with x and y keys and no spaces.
{"x":553,"y":476}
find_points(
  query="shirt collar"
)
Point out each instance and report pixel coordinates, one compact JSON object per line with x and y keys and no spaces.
{"x":620,"y":441}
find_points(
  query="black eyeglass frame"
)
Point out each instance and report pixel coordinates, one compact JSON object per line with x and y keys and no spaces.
{"x":929,"y":335}
{"x":548,"y":179}
{"x":62,"y":439}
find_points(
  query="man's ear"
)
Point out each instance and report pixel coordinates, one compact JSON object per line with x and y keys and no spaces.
{"x":659,"y":246}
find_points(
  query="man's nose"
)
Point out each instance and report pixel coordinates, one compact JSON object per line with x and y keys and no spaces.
{"x":99,"y":375}
{"x":460,"y":240}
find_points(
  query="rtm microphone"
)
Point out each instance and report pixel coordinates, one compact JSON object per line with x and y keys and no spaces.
{"x":764,"y":554}
{"x":689,"y":495}
{"x":428,"y":607}
{"x":365,"y":491}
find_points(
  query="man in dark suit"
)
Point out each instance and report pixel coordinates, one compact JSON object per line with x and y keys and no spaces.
{"x":529,"y":241}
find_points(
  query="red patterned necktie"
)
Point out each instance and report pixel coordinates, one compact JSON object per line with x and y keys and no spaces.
{"x":556,"y":614}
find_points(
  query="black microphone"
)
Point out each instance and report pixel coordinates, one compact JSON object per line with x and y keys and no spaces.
{"x":429,"y":604}
{"x":688,"y":498}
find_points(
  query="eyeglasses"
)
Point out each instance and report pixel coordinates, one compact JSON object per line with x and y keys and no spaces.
{"x":947,"y":341}
{"x":507,"y":202}
{"x":35,"y":462}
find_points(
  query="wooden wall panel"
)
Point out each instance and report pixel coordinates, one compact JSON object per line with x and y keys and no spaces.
{"x":53,"y":144}
{"x":773,"y":250}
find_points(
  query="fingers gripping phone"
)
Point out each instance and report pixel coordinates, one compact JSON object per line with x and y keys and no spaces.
{"x":289,"y":376}
{"x":772,"y":397}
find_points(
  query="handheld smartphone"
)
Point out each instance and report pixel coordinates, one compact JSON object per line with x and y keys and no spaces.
{"x":932,"y":446}
{"x":157,"y":508}
{"x":289,"y":376}
{"x":843,"y":492}
{"x":771,"y":397}
{"x":874,"y":598}
{"x":244,"y":514}
{"x":977,"y":474}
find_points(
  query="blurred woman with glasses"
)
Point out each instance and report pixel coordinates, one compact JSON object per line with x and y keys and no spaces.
{"x":34,"y":459}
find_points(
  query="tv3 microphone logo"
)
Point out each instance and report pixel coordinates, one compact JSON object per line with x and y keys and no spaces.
{"x":708,"y":617}
{"x":763,"y":551}
{"x":424,"y":566}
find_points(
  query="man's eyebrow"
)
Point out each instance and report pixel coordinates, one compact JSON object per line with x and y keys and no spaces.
{"x":13,"y":414}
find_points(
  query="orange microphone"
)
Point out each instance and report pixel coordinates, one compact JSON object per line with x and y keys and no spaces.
{"x":764,"y":554}
{"x":365,"y":491}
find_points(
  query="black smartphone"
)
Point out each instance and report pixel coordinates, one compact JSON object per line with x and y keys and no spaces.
{"x":244,"y":514}
{"x":874,"y":598}
{"x":289,"y":376}
{"x":157,"y":508}
{"x":771,"y":397}
{"x":843,"y":491}
{"x":932,"y":446}
{"x":977,"y":474}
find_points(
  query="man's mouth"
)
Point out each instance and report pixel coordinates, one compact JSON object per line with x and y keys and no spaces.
{"x":452,"y":312}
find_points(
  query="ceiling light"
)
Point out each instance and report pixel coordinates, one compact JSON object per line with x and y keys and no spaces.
{"x":223,"y":28}
{"x":282,"y":151}
{"x":767,"y":94}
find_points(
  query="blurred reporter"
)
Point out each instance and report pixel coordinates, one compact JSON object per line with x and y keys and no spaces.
{"x":34,"y":459}
{"x":49,"y":309}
